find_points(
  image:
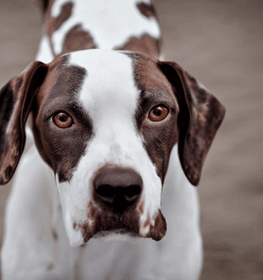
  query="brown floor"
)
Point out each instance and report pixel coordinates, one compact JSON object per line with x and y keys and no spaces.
{"x":221,"y":43}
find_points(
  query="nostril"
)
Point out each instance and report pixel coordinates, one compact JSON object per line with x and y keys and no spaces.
{"x":106,"y":192}
{"x":109,"y":193}
{"x":132,"y":192}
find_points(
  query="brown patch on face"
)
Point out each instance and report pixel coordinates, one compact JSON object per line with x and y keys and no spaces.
{"x":158,"y":230}
{"x":144,"y":44}
{"x":159,"y":137}
{"x":61,"y":148}
{"x":102,"y":221}
{"x":147,"y":10}
{"x":77,"y":39}
{"x":87,"y":233}
{"x":147,"y":223}
{"x":91,"y":211}
{"x":89,"y":204}
{"x":105,"y":221}
{"x":141,"y":207}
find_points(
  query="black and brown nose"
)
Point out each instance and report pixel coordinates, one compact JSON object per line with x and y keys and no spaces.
{"x":117,"y":187}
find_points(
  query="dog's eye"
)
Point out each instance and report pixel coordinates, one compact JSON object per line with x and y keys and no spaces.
{"x":62,"y":120}
{"x":158,"y":113}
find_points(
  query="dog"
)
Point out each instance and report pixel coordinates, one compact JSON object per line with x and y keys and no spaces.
{"x":113,"y":141}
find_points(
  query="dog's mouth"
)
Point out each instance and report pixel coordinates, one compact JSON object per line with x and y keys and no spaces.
{"x":118,"y":228}
{"x":127,"y":224}
{"x":106,"y":225}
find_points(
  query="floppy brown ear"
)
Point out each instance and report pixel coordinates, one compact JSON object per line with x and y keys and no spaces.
{"x":200,"y":115}
{"x":15,"y":104}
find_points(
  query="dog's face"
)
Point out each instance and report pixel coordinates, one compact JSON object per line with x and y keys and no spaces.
{"x":105,"y":122}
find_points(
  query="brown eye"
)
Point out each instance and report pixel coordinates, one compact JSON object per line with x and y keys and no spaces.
{"x":158,"y":113}
{"x":62,"y":120}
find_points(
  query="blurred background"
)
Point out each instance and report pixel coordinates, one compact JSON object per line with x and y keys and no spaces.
{"x":221,"y":44}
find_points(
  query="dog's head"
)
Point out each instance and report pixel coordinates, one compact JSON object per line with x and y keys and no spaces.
{"x":105,"y":122}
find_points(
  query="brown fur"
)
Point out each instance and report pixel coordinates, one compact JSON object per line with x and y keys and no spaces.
{"x":199,"y":119}
{"x":159,"y":137}
{"x":147,"y":10}
{"x":22,"y":89}
{"x":77,"y":39}
{"x":145,"y":44}
{"x":61,"y":86}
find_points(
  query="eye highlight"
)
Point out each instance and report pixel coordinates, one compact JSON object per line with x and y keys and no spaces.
{"x":158,"y":113}
{"x":62,"y":120}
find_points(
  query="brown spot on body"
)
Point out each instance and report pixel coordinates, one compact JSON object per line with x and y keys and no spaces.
{"x":53,"y":24}
{"x":144,"y":44}
{"x":77,"y":39}
{"x":50,"y":266}
{"x":147,"y":10}
{"x":54,"y":235}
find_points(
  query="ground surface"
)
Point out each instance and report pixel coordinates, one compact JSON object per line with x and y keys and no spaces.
{"x":220,"y":43}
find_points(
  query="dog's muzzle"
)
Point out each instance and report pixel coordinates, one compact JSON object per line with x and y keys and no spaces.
{"x":117,"y":205}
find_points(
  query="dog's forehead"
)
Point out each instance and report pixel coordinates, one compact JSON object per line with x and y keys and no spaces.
{"x":107,"y":71}
{"x":118,"y":74}
{"x":109,"y":84}
{"x":106,"y":83}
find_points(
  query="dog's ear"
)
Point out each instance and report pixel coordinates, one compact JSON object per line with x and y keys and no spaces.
{"x":15,"y":104}
{"x":200,"y":115}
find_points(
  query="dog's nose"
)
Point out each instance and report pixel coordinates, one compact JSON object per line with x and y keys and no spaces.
{"x":117,"y":187}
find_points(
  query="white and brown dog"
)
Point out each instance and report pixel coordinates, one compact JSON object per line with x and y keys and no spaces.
{"x":116,"y":134}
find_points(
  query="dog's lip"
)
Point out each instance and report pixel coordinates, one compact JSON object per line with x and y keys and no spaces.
{"x":116,"y":226}
{"x":123,"y":225}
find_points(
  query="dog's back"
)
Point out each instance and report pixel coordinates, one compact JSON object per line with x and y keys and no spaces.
{"x":110,"y":25}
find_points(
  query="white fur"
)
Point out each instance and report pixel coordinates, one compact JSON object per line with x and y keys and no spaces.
{"x":44,"y":53}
